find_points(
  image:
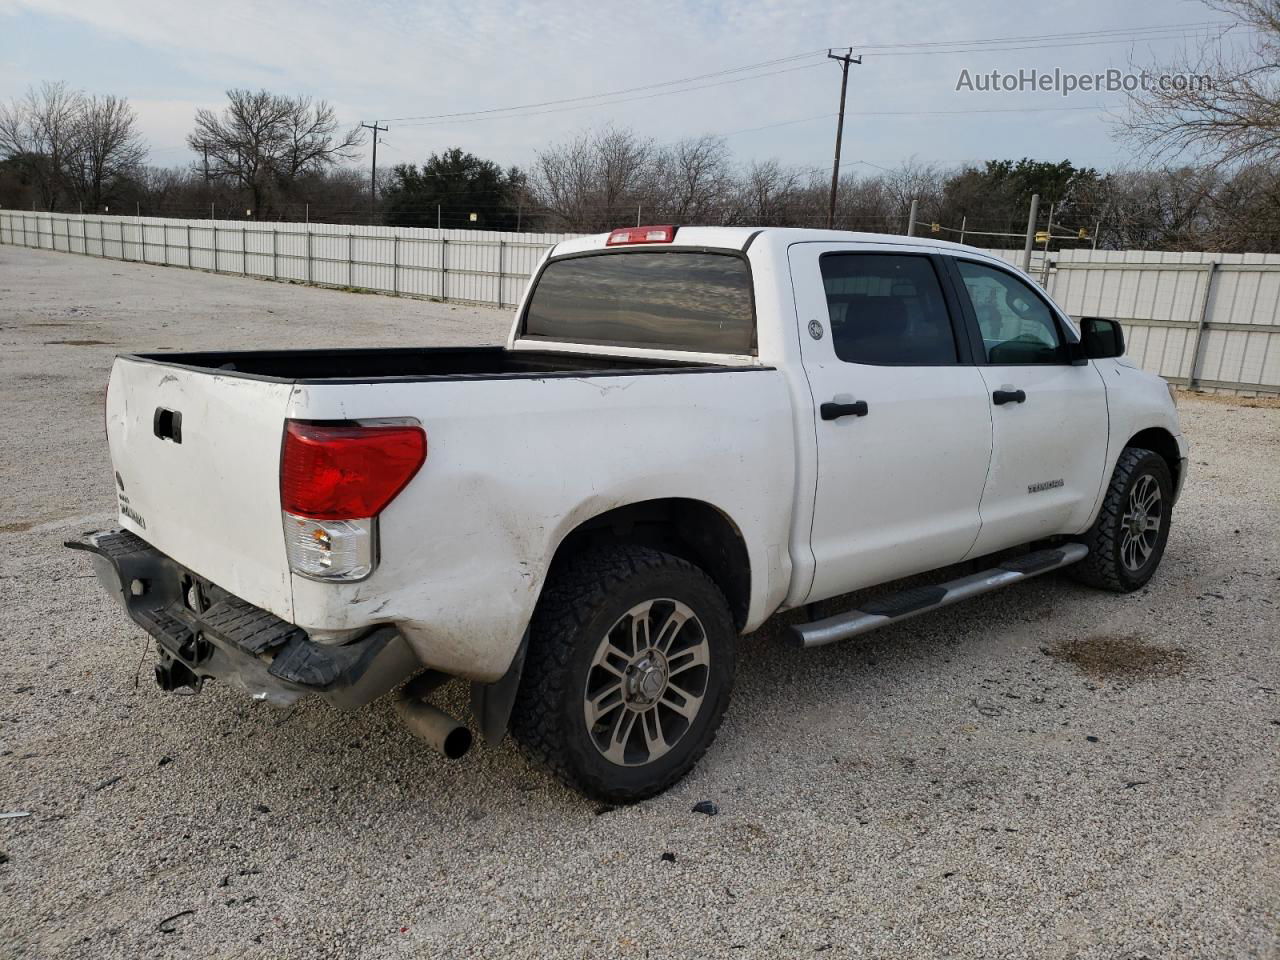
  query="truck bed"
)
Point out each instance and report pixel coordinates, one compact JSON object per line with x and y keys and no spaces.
{"x":411,"y":363}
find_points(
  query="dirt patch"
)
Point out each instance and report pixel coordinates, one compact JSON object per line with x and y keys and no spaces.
{"x":1119,"y":657}
{"x":76,"y":343}
{"x":17,"y":527}
{"x":1261,"y":401}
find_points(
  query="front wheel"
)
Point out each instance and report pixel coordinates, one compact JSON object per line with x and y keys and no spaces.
{"x":630,"y":664}
{"x":1127,"y":540}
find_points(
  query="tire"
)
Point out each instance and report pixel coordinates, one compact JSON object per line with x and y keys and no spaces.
{"x":1120,"y":558}
{"x":582,"y":645}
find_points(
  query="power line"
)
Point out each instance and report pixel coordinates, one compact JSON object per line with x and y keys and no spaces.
{"x":609,"y":103}
{"x":615,"y":93}
{"x":922,"y":48}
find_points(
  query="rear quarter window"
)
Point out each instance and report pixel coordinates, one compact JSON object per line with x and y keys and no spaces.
{"x":669,"y":300}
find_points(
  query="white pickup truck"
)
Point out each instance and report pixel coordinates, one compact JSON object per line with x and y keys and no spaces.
{"x":689,"y":430}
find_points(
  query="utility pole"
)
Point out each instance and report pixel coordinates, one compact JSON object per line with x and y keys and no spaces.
{"x":1031,"y":232}
{"x":373,"y":168}
{"x":1048,"y":235}
{"x":844,"y":61}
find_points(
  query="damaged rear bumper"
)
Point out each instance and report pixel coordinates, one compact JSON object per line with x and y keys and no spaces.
{"x":202,"y":631}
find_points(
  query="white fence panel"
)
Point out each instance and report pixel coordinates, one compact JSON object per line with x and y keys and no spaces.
{"x":1211,"y":320}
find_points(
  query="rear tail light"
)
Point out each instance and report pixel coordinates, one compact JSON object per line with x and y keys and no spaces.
{"x":630,"y":235}
{"x":335,"y":478}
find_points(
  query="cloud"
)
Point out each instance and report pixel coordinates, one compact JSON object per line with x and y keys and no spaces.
{"x":393,"y":58}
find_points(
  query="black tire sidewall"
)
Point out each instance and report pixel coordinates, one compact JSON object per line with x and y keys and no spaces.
{"x":1152,"y":464}
{"x":586,"y":762}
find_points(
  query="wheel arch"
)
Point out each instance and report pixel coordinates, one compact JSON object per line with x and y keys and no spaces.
{"x":690,"y":529}
{"x":1161,"y":441}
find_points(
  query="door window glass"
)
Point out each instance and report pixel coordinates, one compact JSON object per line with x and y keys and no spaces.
{"x":887,"y":308}
{"x":1017,"y":325}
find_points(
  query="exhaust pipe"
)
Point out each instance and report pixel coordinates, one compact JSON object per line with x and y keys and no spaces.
{"x":434,"y":727}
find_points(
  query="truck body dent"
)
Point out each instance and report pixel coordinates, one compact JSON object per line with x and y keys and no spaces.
{"x":515,"y":466}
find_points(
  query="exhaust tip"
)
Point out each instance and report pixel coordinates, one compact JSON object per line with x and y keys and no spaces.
{"x":434,"y":727}
{"x":457,"y":743}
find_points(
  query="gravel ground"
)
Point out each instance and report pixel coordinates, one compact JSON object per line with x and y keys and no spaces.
{"x":1047,"y":772}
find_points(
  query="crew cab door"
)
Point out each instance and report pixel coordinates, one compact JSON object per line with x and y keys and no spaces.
{"x":902,"y":417}
{"x":1048,"y":415}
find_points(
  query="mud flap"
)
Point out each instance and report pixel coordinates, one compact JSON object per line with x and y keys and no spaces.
{"x":491,"y":703}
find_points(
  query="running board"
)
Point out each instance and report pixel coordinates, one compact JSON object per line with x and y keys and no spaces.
{"x":909,"y":603}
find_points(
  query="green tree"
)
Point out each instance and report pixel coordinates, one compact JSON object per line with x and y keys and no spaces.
{"x":459,"y":184}
{"x":995,"y":196}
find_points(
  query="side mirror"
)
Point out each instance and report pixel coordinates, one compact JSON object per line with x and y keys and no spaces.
{"x":1101,"y":338}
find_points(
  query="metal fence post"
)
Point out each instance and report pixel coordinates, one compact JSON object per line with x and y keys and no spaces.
{"x":308,"y":251}
{"x":395,"y":264}
{"x":275,"y":271}
{"x":1197,"y":357}
{"x":444,"y":268}
{"x":188,"y":226}
{"x":164,"y":237}
{"x":502,"y":249}
{"x":350,"y":261}
{"x":215,"y":245}
{"x":244,"y":251}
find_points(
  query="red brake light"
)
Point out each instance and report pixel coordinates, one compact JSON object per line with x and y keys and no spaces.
{"x":347,"y":471}
{"x":626,"y":235}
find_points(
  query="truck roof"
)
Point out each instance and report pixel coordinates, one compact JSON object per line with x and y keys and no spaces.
{"x":737,"y":238}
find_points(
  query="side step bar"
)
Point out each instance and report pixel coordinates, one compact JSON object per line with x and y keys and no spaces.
{"x":909,"y":603}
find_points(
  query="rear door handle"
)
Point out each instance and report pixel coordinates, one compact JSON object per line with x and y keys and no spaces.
{"x":834,"y":411}
{"x":1001,"y":397}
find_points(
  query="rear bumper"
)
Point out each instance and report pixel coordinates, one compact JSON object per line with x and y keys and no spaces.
{"x":204,"y":632}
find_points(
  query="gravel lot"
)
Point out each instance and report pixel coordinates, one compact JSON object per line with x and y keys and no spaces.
{"x":1047,"y":772}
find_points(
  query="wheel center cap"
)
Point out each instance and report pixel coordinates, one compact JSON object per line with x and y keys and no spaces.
{"x":648,"y":678}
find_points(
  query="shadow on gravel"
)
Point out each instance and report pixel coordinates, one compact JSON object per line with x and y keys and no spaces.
{"x":1127,"y":657}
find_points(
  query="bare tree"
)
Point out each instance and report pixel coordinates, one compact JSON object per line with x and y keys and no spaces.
{"x":596,"y":180}
{"x":106,"y":147}
{"x":563,"y":182}
{"x":38,"y":132}
{"x":692,"y":180}
{"x":768,"y":194}
{"x":1218,"y":104}
{"x":914,"y":181}
{"x":262,"y":141}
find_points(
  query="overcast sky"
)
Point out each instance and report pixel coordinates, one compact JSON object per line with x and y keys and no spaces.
{"x":385,"y":59}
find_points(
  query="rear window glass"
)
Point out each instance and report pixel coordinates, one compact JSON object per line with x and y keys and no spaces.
{"x":669,"y":300}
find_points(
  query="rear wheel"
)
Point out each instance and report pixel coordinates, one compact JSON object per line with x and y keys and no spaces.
{"x":630,"y":664}
{"x":1127,"y":541}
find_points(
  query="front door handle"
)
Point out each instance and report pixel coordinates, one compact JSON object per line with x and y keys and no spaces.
{"x":1000,"y":397}
{"x":834,"y":411}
